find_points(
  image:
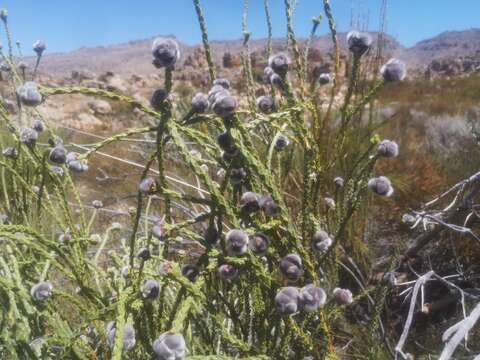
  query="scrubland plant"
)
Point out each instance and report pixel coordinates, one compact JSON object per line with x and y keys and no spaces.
{"x":274,"y":192}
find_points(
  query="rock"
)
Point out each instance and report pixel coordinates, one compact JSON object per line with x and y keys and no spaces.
{"x":87,"y":122}
{"x":93,"y":84}
{"x":105,"y":76}
{"x":137,"y":78}
{"x":453,"y":66}
{"x":117,"y":84}
{"x":138,"y":113}
{"x":141,"y":99}
{"x":81,"y":75}
{"x":100,"y":107}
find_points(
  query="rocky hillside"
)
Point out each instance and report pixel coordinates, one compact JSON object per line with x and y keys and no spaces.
{"x":127,"y":68}
{"x":447,"y":45}
{"x":449,"y":53}
{"x":134,"y":57}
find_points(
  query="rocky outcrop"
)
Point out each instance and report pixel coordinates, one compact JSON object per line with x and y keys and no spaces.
{"x":82,"y":75}
{"x":454,"y":66}
{"x":100,"y":107}
{"x":86,"y":122}
{"x":447,"y":45}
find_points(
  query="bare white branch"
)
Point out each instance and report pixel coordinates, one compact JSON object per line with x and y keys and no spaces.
{"x":408,"y":323}
{"x":457,"y":332}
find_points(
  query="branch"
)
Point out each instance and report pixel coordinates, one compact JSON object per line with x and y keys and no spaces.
{"x":408,"y":323}
{"x":457,"y":332}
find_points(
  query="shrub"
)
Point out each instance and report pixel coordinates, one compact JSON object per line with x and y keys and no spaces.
{"x":255,"y":237}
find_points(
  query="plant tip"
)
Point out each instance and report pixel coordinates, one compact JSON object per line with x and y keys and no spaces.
{"x":287,"y":300}
{"x":42,"y":291}
{"x":359,"y":42}
{"x":169,"y":346}
{"x":394,"y":70}
{"x":381,"y":186}
{"x":237,"y":242}
{"x":165,"y":52}
{"x":342,"y":296}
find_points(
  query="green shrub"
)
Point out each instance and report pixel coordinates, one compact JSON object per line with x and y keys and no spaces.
{"x":223,"y":301}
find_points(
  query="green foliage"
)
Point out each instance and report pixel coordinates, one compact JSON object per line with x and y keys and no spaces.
{"x":218,"y":319}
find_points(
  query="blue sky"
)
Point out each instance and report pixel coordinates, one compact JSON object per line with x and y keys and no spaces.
{"x":67,"y":24}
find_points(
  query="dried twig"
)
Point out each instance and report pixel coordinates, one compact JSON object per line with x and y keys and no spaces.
{"x":457,"y":332}
{"x":408,"y":323}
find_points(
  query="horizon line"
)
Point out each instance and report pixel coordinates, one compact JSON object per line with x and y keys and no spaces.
{"x":199,"y":43}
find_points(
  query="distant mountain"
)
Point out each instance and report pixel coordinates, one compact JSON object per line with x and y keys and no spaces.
{"x":135,"y":58}
{"x":447,"y":45}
